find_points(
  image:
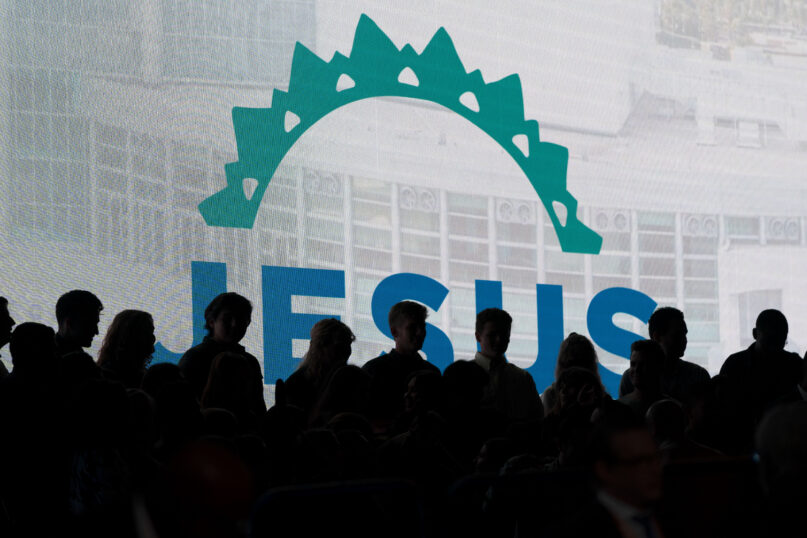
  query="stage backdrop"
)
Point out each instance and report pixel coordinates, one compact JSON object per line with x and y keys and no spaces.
{"x":576,"y":162}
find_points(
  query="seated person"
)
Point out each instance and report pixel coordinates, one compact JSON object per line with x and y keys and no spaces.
{"x":511,"y":390}
{"x":679,"y":377}
{"x":628,"y":474}
{"x":226,"y":319}
{"x":389,"y":372}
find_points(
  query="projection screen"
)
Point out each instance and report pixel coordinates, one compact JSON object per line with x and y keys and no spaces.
{"x":577,"y":163}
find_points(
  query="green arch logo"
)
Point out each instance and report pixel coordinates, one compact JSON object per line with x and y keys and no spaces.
{"x":377,"y":68}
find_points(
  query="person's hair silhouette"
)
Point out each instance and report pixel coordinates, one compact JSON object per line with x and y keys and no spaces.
{"x":128,"y":346}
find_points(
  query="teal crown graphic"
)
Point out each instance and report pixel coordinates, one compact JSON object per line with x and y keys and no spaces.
{"x":377,"y":68}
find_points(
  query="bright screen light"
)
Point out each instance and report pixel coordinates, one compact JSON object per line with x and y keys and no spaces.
{"x":685,"y":125}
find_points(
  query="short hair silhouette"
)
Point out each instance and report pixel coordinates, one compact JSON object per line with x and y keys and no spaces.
{"x":237,"y":304}
{"x":77,"y":303}
{"x":772,"y":320}
{"x":496,"y":315}
{"x":662,"y":319}
{"x":406,"y":310}
{"x":32,"y":345}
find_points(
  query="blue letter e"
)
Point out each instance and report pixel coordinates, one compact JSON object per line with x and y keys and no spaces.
{"x":280,"y":324}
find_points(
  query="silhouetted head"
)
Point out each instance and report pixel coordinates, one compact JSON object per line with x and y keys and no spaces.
{"x":579,"y":386}
{"x":6,"y":322}
{"x":667,"y":327}
{"x":330,"y":346}
{"x":407,"y":323}
{"x":159,"y":375}
{"x":78,"y":313}
{"x":576,"y":351}
{"x":227,"y":317}
{"x":646,"y":366}
{"x":667,"y":421}
{"x":129,"y":342}
{"x":348,"y":391}
{"x":33,"y":348}
{"x":232,"y":383}
{"x":493,"y":331}
{"x":626,"y":459}
{"x":464,"y":383}
{"x":770,"y":333}
{"x":424,"y":392}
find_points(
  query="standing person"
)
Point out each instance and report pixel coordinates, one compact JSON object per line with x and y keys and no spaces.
{"x":227,"y":318}
{"x":329,"y":350}
{"x":389,"y":372}
{"x":679,"y":378}
{"x":127,"y":348}
{"x":764,"y":372}
{"x":645,"y":372}
{"x":77,"y":313}
{"x":510,"y":389}
{"x":576,"y":351}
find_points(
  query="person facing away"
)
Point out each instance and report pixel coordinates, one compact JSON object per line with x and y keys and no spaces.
{"x":576,"y":351}
{"x":764,"y":372}
{"x":127,"y":348}
{"x":227,"y":318}
{"x":235,"y":384}
{"x":645,"y":373}
{"x":389,"y":372}
{"x":678,"y":377}
{"x":6,"y":324}
{"x":329,"y":350}
{"x":32,"y":446}
{"x":510,"y":389}
{"x":77,"y":314}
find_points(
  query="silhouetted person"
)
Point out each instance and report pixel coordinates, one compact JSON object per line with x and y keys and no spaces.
{"x":348,"y":391}
{"x":235,"y":384}
{"x":511,"y":390}
{"x":77,"y":313}
{"x":576,"y":351}
{"x":127,"y":348}
{"x":764,"y":372}
{"x":678,"y":377}
{"x":627,"y":469}
{"x":424,"y":394}
{"x":668,"y":423}
{"x":407,"y":322}
{"x":578,"y":393}
{"x":159,"y":375}
{"x":645,"y":372}
{"x":329,"y":350}
{"x":468,"y":424}
{"x":6,"y":324}
{"x":34,"y":480}
{"x":797,"y":393}
{"x":227,"y":318}
{"x":781,"y":444}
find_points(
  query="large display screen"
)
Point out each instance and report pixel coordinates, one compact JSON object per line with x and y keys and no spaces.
{"x":575,"y":162}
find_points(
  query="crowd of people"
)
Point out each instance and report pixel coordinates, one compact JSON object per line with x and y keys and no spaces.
{"x":119,"y":447}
